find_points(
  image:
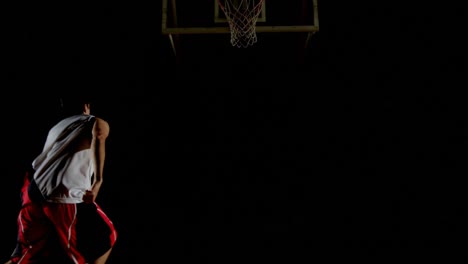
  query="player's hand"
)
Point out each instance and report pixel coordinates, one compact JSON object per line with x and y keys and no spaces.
{"x":89,"y":197}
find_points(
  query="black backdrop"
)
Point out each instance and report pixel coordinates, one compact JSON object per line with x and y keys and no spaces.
{"x":356,"y":154}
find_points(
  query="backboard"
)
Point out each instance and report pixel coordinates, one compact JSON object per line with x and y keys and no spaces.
{"x":181,"y":17}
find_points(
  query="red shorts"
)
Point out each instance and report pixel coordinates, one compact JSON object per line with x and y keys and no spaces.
{"x":61,"y":233}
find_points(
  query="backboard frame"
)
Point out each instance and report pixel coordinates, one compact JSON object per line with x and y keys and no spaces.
{"x":173,"y":30}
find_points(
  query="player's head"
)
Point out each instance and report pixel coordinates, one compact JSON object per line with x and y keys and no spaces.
{"x":76,"y":105}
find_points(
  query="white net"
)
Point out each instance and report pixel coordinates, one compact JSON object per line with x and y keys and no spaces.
{"x":242,"y":16}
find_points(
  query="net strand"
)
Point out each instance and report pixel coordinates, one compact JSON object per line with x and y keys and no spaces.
{"x":242,"y":19}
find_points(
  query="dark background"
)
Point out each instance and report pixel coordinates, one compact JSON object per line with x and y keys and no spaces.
{"x":355,"y":153}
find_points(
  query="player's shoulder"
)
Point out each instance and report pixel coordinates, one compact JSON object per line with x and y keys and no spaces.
{"x":100,"y":120}
{"x":101,"y":126}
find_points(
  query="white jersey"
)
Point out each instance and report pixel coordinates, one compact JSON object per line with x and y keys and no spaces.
{"x":64,"y":169}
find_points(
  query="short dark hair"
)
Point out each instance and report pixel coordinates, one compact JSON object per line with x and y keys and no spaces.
{"x":73,"y":105}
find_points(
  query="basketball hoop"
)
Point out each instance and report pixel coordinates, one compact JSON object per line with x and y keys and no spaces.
{"x":242,"y":17}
